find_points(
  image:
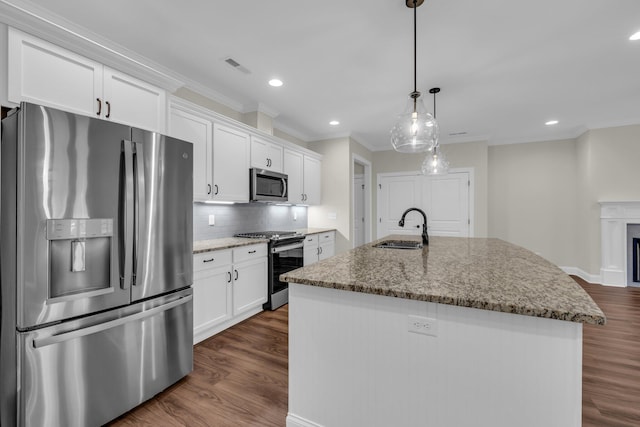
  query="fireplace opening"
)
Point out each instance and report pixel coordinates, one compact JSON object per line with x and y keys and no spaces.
{"x":636,"y":259}
{"x":633,"y":255}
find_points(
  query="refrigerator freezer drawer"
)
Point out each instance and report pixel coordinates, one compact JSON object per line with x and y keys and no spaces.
{"x":89,"y":371}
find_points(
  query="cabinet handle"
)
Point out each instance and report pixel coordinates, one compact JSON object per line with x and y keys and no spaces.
{"x":229,"y":273}
{"x":236,"y":275}
{"x":208,"y":260}
{"x":252,"y":252}
{"x":209,"y":188}
{"x":108,"y":109}
{"x":320,"y":249}
{"x":267,"y":162}
{"x":99,"y":106}
{"x":215,"y":185}
{"x":302,"y":197}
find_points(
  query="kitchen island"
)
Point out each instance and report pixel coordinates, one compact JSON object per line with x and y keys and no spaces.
{"x":463,"y":332}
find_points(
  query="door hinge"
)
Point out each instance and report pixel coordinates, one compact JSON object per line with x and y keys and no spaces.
{"x":469,"y":183}
{"x":380,"y":185}
{"x":469,"y":221}
{"x":380,"y":220}
{"x":363,"y":186}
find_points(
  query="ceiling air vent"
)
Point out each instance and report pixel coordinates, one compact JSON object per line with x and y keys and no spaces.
{"x":236,"y":65}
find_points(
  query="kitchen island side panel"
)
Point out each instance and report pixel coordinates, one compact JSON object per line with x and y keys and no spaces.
{"x":352,"y":361}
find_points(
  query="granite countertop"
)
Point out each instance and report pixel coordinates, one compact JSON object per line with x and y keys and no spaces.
{"x":223,"y":243}
{"x":488,"y":274}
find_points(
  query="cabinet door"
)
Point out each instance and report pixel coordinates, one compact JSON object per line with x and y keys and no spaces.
{"x":312,"y":177}
{"x":133,"y":102}
{"x":327,"y":250}
{"x":42,"y":73}
{"x":197,"y":130}
{"x":310,"y":255}
{"x":211,"y":300}
{"x":249,"y":285}
{"x":293,"y":164}
{"x":230,"y":164}
{"x":266,"y":155}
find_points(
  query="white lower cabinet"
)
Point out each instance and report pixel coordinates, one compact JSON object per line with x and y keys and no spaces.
{"x":229,"y":285}
{"x":318,"y":247}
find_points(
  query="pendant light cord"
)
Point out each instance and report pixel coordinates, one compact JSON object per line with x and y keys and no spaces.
{"x":415,"y":46}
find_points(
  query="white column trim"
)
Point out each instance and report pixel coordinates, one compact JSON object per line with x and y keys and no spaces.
{"x":614,"y":218}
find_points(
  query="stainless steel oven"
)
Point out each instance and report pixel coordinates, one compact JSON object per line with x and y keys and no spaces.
{"x":285,"y":254}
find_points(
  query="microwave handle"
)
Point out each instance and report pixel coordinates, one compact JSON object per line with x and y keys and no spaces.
{"x":284,"y":187}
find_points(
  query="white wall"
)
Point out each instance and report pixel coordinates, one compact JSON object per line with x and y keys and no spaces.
{"x":533,"y":197}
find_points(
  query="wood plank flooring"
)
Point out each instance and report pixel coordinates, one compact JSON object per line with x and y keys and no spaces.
{"x":240,"y":375}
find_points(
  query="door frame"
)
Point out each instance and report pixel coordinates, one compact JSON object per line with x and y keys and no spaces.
{"x":368,"y":209}
{"x":472,"y":193}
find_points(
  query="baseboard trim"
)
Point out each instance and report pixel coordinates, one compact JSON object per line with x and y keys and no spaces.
{"x":209,"y":330}
{"x":295,"y":421}
{"x":591,"y":278}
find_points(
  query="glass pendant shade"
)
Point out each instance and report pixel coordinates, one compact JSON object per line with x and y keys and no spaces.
{"x":435,"y":163}
{"x":415,"y":130}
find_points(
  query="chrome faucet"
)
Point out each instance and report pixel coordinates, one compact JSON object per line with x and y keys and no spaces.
{"x":425,"y":235}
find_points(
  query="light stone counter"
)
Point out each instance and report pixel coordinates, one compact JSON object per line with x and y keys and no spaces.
{"x":488,"y":274}
{"x":223,"y":243}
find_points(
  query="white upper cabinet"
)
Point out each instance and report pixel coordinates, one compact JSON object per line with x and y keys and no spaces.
{"x":266,"y":154}
{"x":230,"y":164}
{"x":304,"y":177}
{"x":43,"y":73}
{"x":197,"y":129}
{"x":293,"y":167}
{"x":312,"y":175}
{"x":133,"y":102}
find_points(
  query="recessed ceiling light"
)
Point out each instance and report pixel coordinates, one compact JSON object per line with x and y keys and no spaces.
{"x":551,"y":122}
{"x":334,"y":123}
{"x":635,"y":36}
{"x":275,"y":82}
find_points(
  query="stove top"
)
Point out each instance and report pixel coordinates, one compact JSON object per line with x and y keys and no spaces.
{"x":271,"y":235}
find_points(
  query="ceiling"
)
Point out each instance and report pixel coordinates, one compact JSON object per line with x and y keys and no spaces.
{"x":505,"y":67}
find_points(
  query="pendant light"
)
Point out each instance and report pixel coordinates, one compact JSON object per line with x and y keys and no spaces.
{"x":415,"y":130}
{"x":435,"y":163}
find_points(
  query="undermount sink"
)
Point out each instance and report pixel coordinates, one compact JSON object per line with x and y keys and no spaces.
{"x":399,"y":244}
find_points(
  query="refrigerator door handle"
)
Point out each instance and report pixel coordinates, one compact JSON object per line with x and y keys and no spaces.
{"x":139,"y":207}
{"x":125,"y":235}
{"x":77,"y":333}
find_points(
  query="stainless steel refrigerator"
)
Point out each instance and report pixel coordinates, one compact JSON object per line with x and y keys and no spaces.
{"x":95,"y":267}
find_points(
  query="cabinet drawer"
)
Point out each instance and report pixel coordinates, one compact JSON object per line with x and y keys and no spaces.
{"x":211,"y":259}
{"x":329,"y":236}
{"x":245,"y":253}
{"x":311,"y":240}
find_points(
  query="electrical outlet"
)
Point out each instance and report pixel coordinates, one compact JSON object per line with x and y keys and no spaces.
{"x":423,"y":325}
{"x":212,"y":220}
{"x":332,"y":215}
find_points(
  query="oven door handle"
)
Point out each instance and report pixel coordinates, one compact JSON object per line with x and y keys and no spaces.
{"x":286,"y":248}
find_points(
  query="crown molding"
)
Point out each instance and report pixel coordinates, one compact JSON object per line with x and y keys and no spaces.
{"x":41,"y":23}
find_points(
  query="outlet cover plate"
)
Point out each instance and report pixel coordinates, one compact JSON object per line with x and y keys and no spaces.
{"x":422,"y":325}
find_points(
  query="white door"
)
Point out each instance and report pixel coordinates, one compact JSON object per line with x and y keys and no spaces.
{"x":46,"y":74}
{"x":230,"y":164}
{"x":446,"y":201}
{"x":312,"y":175}
{"x":395,"y":195}
{"x":358,"y":211}
{"x":197,"y":130}
{"x":293,"y":164}
{"x":133,"y":102}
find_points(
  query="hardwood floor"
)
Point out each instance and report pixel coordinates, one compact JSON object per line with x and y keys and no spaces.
{"x":240,"y":378}
{"x":611,"y":359}
{"x":240,"y":375}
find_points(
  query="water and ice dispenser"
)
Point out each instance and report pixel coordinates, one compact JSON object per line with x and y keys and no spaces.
{"x":79,"y":256}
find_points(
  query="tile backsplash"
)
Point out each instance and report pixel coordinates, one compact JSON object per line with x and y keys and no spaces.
{"x":243,"y":218}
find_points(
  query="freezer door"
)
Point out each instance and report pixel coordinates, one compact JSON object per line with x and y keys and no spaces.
{"x":163,"y":243}
{"x":69,"y":188}
{"x":88,"y":372}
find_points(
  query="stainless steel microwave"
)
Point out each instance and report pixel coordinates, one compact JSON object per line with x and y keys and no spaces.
{"x":267,"y":186}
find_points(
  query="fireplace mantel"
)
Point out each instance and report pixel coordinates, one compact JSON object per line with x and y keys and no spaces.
{"x":614,"y":217}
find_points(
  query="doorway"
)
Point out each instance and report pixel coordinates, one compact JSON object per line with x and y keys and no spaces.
{"x":361,"y":201}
